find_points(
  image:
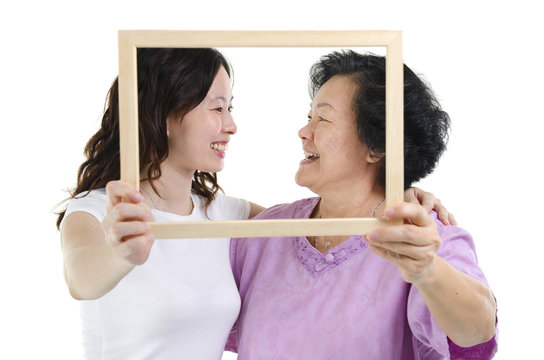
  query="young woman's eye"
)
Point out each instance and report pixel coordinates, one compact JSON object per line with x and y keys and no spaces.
{"x":309,"y":118}
{"x":230,"y":108}
{"x":219,"y":109}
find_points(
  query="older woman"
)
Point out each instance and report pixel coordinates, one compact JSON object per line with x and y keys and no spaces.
{"x":412,"y":291}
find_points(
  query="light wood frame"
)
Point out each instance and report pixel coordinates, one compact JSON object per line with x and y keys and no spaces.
{"x":130,"y":40}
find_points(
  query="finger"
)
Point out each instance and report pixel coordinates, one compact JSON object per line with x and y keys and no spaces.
{"x":392,"y":257}
{"x":428,"y":201}
{"x":147,"y":210}
{"x":416,"y":213}
{"x":407,"y":233}
{"x":417,"y":196}
{"x":410,"y":195}
{"x":124,"y":212}
{"x":127,"y":211}
{"x":118,"y":191}
{"x":414,"y":252}
{"x":121,"y":231}
{"x":412,"y":270}
{"x":443,"y":214}
{"x":452,"y":219}
{"x":136,"y":249}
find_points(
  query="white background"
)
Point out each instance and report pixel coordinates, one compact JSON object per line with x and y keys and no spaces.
{"x":484,"y":60}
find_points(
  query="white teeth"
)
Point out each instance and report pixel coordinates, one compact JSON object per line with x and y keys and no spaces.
{"x":219,"y":147}
{"x":310,"y":155}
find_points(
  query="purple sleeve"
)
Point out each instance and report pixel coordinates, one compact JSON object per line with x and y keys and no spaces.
{"x":232,"y":341}
{"x":482,"y":351}
{"x":429,"y":340}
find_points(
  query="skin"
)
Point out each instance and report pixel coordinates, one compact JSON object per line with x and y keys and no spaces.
{"x":345,"y":177}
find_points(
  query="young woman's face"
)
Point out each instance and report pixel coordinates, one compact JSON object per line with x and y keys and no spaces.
{"x":199,"y":141}
{"x":334,"y":156}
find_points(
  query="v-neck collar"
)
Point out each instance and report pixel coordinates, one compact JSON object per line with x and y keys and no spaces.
{"x":314,"y":261}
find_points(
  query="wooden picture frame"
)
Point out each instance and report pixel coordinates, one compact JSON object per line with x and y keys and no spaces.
{"x":130,"y":40}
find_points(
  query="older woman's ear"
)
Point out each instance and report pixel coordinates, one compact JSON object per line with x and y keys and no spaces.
{"x":372,"y":158}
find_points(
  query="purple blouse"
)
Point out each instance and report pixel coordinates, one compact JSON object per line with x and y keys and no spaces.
{"x":345,"y":304}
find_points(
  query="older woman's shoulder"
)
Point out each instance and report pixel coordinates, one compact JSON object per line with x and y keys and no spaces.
{"x":458,"y":248}
{"x":455,"y":240}
{"x":449,"y":231}
{"x":296,"y":210}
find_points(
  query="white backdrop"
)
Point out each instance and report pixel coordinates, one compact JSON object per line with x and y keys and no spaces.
{"x":484,"y":60}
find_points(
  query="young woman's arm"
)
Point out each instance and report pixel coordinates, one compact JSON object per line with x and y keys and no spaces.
{"x":97,"y":256}
{"x":429,"y":202}
{"x":255,"y":209}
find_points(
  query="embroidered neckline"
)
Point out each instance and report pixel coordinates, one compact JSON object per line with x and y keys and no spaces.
{"x":314,"y":261}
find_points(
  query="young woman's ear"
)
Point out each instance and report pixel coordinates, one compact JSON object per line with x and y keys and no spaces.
{"x":168,"y":123}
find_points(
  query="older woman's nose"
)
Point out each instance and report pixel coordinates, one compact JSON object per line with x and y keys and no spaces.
{"x":306,"y":132}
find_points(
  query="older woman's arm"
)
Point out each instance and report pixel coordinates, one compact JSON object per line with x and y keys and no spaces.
{"x":462,"y":306}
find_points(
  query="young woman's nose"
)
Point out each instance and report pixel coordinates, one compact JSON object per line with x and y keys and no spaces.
{"x":228,"y":124}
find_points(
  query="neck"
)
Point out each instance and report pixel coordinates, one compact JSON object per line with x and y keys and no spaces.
{"x":355,"y":202}
{"x":173,"y":191}
{"x":345,"y":204}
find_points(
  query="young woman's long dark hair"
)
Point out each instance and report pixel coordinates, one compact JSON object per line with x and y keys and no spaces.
{"x":171,"y":82}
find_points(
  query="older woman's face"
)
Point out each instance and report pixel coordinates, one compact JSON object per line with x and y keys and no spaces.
{"x":334,"y":156}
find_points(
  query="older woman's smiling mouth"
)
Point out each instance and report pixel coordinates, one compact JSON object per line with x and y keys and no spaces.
{"x":309,"y":157}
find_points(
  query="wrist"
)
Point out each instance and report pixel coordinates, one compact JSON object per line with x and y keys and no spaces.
{"x":120,"y":262}
{"x":431,"y":275}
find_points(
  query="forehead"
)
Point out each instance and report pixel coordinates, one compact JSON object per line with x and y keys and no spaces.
{"x":337,"y":92}
{"x":221,"y":87}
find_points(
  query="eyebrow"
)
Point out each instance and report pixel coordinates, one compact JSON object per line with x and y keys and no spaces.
{"x":224,"y":99}
{"x":323,"y":104}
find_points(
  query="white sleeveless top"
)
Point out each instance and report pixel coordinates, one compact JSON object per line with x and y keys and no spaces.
{"x":180,"y":304}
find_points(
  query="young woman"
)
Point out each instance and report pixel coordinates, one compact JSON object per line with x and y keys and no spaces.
{"x":181,"y":299}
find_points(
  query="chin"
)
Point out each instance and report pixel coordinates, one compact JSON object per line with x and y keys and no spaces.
{"x":299,"y":179}
{"x":212,"y":169}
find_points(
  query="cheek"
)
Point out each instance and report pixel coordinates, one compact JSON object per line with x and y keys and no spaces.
{"x":348,"y":151}
{"x":200,"y":128}
{"x":208,"y":127}
{"x":331,"y":144}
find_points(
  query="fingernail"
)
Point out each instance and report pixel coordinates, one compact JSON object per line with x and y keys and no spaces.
{"x":373,"y":237}
{"x":389,"y":213}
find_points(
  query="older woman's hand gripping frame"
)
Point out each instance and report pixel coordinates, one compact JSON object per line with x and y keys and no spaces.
{"x":463,"y":307}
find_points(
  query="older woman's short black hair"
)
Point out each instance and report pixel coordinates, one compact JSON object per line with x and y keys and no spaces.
{"x":426,"y":126}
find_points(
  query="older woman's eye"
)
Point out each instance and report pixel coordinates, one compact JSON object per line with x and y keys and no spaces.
{"x":309,"y":118}
{"x":230,"y":108}
{"x":321,"y":118}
